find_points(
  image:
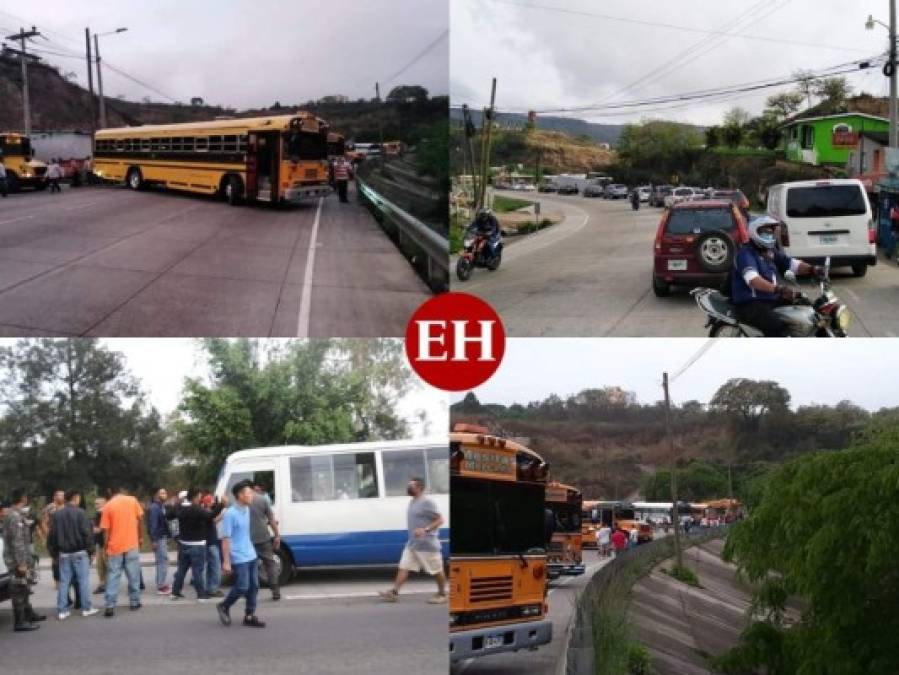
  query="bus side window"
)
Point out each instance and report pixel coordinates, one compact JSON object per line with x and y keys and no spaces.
{"x":267,"y":480}
{"x":215,"y":144}
{"x":399,"y":467}
{"x":438,"y":470}
{"x":311,"y":478}
{"x":229,"y":143}
{"x":355,"y":476}
{"x":202,"y":145}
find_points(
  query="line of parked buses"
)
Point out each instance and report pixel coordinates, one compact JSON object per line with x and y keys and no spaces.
{"x":275,"y":159}
{"x":514,"y":530}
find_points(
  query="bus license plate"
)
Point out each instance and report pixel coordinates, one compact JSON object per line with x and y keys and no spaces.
{"x":677,"y":265}
{"x":829,"y":239}
{"x":493,"y":641}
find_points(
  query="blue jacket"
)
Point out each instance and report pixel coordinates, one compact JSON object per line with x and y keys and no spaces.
{"x":749,"y":258}
{"x":156,"y":524}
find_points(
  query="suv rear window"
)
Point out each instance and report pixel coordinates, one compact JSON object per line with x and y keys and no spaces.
{"x":826,"y":201}
{"x":696,"y":221}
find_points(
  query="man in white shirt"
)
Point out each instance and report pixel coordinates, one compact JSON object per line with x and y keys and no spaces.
{"x":54,"y":173}
{"x":603,"y":538}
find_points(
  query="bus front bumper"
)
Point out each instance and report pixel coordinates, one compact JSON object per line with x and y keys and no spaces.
{"x":304,"y":193}
{"x":557,"y":569}
{"x":484,"y":641}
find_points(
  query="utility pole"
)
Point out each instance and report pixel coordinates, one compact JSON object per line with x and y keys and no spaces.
{"x":22,"y":36}
{"x":675,"y":520}
{"x":470,"y":132}
{"x":894,"y":137}
{"x":90,"y":78}
{"x":380,"y":120}
{"x":485,"y":156}
{"x":100,"y":83}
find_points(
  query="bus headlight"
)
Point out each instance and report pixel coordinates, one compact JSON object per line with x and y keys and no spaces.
{"x":453,"y":618}
{"x":843,"y":318}
{"x":531,"y":610}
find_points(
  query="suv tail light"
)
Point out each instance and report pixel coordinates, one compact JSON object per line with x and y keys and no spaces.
{"x":872,"y":232}
{"x":661,"y":232}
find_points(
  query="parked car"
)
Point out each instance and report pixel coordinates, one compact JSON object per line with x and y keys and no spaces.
{"x":644,"y":193}
{"x":826,"y":219}
{"x":678,"y":195}
{"x":736,"y":196}
{"x":593,"y":190}
{"x":696,"y":243}
{"x":523,"y":187}
{"x":547,"y":187}
{"x":615,"y":191}
{"x":658,"y":194}
{"x":570,"y":189}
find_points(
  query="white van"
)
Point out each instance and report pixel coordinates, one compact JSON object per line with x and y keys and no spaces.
{"x":826,"y":218}
{"x":343,"y":505}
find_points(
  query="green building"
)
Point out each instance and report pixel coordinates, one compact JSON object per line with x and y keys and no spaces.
{"x":828,"y":139}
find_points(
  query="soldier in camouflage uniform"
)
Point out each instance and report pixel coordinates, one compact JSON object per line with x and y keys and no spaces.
{"x":18,"y":558}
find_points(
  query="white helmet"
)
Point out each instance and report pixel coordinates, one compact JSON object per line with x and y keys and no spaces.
{"x":763,"y":240}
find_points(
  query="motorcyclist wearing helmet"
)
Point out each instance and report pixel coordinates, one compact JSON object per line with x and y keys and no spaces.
{"x":756,"y":288}
{"x":486,"y":224}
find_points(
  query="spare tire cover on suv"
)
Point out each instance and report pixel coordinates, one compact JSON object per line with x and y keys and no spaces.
{"x":715,"y":251}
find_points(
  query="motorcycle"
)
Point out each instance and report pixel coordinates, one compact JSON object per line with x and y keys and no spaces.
{"x":476,"y":253}
{"x":825,"y":316}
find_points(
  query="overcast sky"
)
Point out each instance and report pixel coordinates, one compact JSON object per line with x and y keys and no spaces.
{"x":161,"y":364}
{"x":245,"y":53}
{"x":813,"y":371}
{"x":552,"y":54}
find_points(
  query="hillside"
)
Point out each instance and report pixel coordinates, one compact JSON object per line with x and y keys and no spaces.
{"x":60,"y":105}
{"x":598,"y":133}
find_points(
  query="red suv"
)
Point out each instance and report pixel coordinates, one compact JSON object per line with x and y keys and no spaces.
{"x":696,"y":243}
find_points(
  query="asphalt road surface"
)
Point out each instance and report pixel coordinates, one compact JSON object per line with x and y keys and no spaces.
{"x":327,"y":622}
{"x":546,"y":660}
{"x":107,"y":261}
{"x":590,"y":276}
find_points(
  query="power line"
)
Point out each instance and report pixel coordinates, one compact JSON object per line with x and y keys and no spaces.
{"x":137,"y":81}
{"x":419,"y":57}
{"x":689,"y":29}
{"x":706,"y":346}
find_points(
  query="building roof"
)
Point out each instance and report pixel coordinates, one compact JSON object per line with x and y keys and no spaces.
{"x":800,"y":118}
{"x":882,"y":137}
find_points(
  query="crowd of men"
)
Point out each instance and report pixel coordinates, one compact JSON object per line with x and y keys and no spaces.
{"x":212,"y":537}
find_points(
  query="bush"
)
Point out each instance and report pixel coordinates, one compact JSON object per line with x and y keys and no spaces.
{"x":639,"y":662}
{"x":684,"y":575}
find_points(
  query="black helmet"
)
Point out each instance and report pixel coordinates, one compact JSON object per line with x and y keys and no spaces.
{"x":483,"y":216}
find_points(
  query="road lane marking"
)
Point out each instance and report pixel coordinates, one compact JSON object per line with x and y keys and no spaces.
{"x":15,"y":220}
{"x":306,"y":298}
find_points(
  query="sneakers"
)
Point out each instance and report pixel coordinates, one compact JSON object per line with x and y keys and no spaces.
{"x":437,"y":599}
{"x":89,"y":612}
{"x":62,"y":616}
{"x":217,"y":594}
{"x":163,"y":590}
{"x":253,"y":621}
{"x":136,"y":607}
{"x":276,"y":596}
{"x":109,"y":612}
{"x":389,"y":596}
{"x":224,"y":615}
{"x":177,"y":596}
{"x":99,"y":590}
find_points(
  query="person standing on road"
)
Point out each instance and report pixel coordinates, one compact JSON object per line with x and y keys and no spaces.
{"x":57,"y":502}
{"x":603,"y":537}
{"x":158,"y":529}
{"x":3,"y":187}
{"x":121,"y":523}
{"x":619,"y":541}
{"x":19,"y":561}
{"x":193,"y":525}
{"x":422,"y":551}
{"x":100,"y":545}
{"x":265,"y":541}
{"x":70,"y":540}
{"x":632,"y":538}
{"x":54,"y":173}
{"x":213,"y":550}
{"x":341,"y":178}
{"x":239,"y":556}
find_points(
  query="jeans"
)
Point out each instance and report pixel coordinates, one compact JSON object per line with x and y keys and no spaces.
{"x":130,"y":563}
{"x":194,"y":558}
{"x":160,"y":548}
{"x":213,"y":568}
{"x":77,"y":566}
{"x":246,"y":583}
{"x":760,"y":314}
{"x":267,"y":557}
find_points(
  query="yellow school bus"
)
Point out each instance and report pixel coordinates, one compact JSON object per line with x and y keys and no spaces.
{"x":22,"y":170}
{"x":564,"y":554}
{"x":589,"y":529}
{"x":498,"y":570}
{"x":263,"y":159}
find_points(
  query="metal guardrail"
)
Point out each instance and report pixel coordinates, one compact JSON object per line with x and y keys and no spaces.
{"x":427,"y":250}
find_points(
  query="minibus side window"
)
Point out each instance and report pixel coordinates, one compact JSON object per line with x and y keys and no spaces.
{"x":438,"y":470}
{"x":311,"y":478}
{"x":264,"y":478}
{"x":399,"y":467}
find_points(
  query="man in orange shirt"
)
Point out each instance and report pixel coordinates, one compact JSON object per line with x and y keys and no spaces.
{"x":121,"y":523}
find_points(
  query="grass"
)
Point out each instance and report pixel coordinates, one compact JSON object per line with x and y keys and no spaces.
{"x":530,"y":226}
{"x":684,"y":575}
{"x":506,"y":204}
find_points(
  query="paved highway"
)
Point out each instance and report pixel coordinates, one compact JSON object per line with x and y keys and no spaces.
{"x":590,"y":276}
{"x":106,"y":261}
{"x":546,"y":660}
{"x":327,"y":622}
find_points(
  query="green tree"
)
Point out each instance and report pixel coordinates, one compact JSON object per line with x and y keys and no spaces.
{"x":784,"y":104}
{"x":750,"y":400}
{"x":73,"y":417}
{"x":663,"y":147}
{"x":733,"y":135}
{"x":696,"y":482}
{"x":806,"y":84}
{"x":314,"y":392}
{"x":826,"y":531}
{"x":713,"y":137}
{"x":736,"y":117}
{"x":833,"y":91}
{"x":407,"y":93}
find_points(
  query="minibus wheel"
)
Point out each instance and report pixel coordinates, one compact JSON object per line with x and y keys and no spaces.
{"x":286,"y":567}
{"x":134,"y":179}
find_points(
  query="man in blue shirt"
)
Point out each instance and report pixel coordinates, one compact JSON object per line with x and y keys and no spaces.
{"x":756,"y":289}
{"x":239,"y":555}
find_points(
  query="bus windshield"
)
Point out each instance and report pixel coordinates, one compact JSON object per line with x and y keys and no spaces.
{"x":301,"y":145}
{"x":568,"y":517}
{"x":15,"y":145}
{"x":496,"y":518}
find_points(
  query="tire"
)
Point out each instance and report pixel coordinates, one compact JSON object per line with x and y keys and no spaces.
{"x":39,"y":186}
{"x":464,"y":269}
{"x":726,"y":330}
{"x":715,"y":251}
{"x":660,"y":288}
{"x":12,"y":182}
{"x":286,"y":567}
{"x":135,"y":179}
{"x":860,"y":269}
{"x":495,"y":263}
{"x":232,"y":190}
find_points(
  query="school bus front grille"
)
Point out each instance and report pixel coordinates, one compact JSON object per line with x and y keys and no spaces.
{"x":311,"y":173}
{"x":491,"y":589}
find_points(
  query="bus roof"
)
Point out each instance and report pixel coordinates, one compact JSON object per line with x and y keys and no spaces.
{"x":491,"y":441}
{"x":242,"y":124}
{"x":290,"y":450}
{"x":559,"y":492}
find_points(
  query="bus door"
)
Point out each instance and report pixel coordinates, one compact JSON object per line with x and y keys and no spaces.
{"x":261,"y":472}
{"x":262,"y":166}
